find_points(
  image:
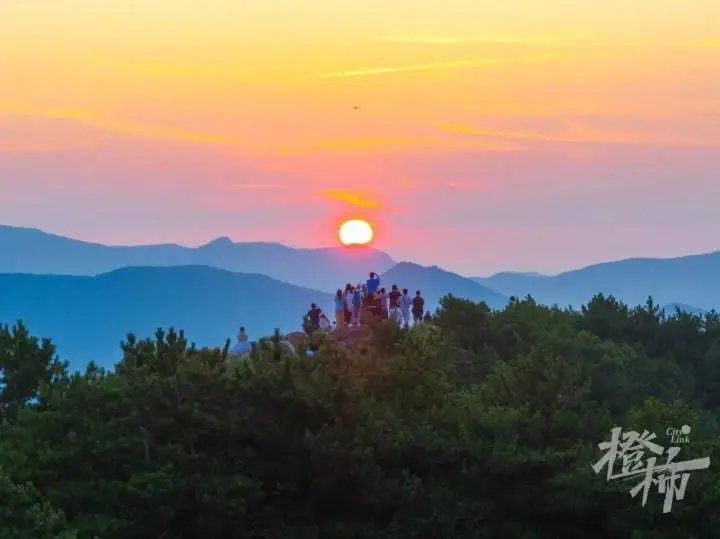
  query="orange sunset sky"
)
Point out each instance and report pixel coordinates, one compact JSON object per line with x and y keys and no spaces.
{"x":518,"y":134}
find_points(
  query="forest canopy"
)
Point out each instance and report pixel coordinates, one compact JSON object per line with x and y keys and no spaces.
{"x":480,"y":424}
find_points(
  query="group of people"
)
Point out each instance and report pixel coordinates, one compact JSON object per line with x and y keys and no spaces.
{"x":353,"y":306}
{"x":356,"y":302}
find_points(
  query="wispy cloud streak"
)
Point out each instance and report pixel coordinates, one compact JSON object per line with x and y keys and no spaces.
{"x":459,"y":40}
{"x":457,"y":64}
{"x":352,"y":198}
{"x":141,"y":130}
{"x":578,"y":133}
{"x":256,"y":186}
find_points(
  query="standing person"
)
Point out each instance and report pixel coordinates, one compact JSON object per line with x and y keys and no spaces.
{"x":242,"y":346}
{"x":372,"y":305}
{"x":394,"y":299}
{"x":383,"y":303}
{"x":418,"y":308}
{"x":356,"y":307}
{"x":339,"y":309}
{"x":373,"y":283}
{"x":313,"y":318}
{"x":405,"y":306}
{"x":378,"y":298}
{"x":348,"y":304}
{"x":324,"y":322}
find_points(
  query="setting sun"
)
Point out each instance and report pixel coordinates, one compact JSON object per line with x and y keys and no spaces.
{"x":355,"y":232}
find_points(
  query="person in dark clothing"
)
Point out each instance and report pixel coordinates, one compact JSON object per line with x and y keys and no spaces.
{"x":371,"y":305}
{"x":382,"y":302}
{"x":394,"y":299}
{"x":378,"y":307}
{"x":313,"y":318}
{"x":348,"y":298}
{"x":418,"y":308}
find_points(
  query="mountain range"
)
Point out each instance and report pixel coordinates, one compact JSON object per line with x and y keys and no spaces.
{"x":690,"y":280}
{"x":87,"y":296}
{"x":88,"y":316}
{"x":28,"y":250}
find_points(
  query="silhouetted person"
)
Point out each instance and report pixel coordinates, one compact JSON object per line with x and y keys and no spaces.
{"x":383,"y":303}
{"x":418,"y":308}
{"x":372,"y":305}
{"x":313,"y":317}
{"x":394,"y":299}
{"x":428,"y":317}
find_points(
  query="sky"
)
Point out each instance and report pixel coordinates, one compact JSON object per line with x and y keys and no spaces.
{"x":477,"y":136}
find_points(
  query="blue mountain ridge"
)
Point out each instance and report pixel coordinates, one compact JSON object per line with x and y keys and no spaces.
{"x":28,"y":250}
{"x":688,"y":280}
{"x":88,"y":316}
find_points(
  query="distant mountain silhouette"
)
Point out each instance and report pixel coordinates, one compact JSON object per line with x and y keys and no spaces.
{"x":435,"y":283}
{"x":28,"y":250}
{"x":519,"y":274}
{"x":693,"y":280}
{"x":87,"y":317}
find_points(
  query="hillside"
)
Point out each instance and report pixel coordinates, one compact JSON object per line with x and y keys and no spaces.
{"x":28,"y":250}
{"x":691,"y":280}
{"x":89,"y":316}
{"x":434,"y":283}
{"x":482,"y":425}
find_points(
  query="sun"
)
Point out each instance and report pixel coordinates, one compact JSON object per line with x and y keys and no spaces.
{"x":355,"y":232}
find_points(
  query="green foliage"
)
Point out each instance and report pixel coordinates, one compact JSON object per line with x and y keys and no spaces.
{"x":26,"y":367}
{"x":482,"y":424}
{"x":24,"y":515}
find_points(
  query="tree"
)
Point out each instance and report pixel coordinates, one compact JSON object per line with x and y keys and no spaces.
{"x":24,"y":515}
{"x":442,"y":430}
{"x":26,"y":366}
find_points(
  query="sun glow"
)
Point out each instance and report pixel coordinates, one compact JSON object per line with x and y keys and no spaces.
{"x":355,"y":232}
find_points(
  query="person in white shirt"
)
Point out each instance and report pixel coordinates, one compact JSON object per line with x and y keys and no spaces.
{"x":405,"y":304}
{"x":242,"y":346}
{"x":349,"y":305}
{"x":325,"y":324}
{"x":396,"y":315}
